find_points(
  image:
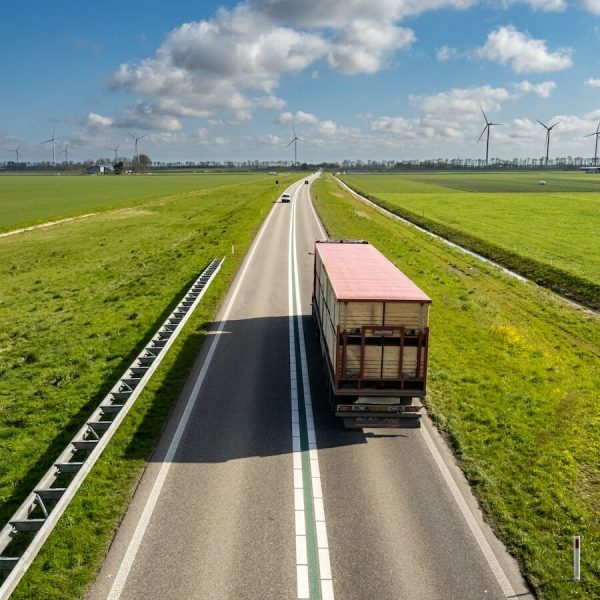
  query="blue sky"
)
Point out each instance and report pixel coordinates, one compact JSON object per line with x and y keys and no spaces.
{"x":380,"y":79}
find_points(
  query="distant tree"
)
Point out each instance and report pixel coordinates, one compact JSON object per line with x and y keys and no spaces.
{"x":143,"y":163}
{"x":118,"y":167}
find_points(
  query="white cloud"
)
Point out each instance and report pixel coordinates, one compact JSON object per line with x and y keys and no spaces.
{"x":591,"y":82}
{"x":539,"y":5}
{"x":543,"y":90}
{"x":142,"y":115}
{"x":592,"y":6}
{"x":364,"y":46}
{"x":298,"y":117}
{"x":232,"y":63}
{"x":507,"y":45}
{"x":463,"y":103}
{"x":94,"y":119}
{"x":330,"y":13}
{"x":445,"y":53}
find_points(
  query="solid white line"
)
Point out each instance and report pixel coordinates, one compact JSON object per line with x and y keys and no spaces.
{"x":132,"y":550}
{"x":319,"y":511}
{"x":488,"y":553}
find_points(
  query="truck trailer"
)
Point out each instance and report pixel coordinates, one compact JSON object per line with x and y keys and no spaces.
{"x":373,"y":325}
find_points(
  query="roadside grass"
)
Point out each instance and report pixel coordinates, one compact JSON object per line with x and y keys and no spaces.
{"x":32,"y":199}
{"x":549,"y":238}
{"x":513,"y":384}
{"x":78,"y":302}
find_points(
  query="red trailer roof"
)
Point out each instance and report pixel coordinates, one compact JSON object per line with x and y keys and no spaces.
{"x":361,"y":272}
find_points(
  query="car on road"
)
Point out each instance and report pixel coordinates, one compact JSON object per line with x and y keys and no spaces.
{"x":285,"y":197}
{"x":306,"y":181}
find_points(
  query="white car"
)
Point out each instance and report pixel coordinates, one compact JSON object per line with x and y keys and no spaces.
{"x":285,"y":198}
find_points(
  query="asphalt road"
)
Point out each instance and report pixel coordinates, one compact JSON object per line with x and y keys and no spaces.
{"x":233,"y":511}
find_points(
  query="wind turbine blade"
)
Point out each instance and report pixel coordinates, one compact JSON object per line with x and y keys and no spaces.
{"x":484,"y":130}
{"x":591,"y":134}
{"x":542,"y":124}
{"x":301,"y":140}
{"x":131,"y":134}
{"x":46,"y":142}
{"x":294,"y":130}
{"x":143,"y":136}
{"x":484,"y":115}
{"x":553,"y":126}
{"x":291,"y":142}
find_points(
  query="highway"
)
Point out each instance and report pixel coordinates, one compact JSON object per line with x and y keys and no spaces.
{"x":255,"y":491}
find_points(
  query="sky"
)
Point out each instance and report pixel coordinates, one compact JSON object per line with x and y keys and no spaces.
{"x":357,"y":79}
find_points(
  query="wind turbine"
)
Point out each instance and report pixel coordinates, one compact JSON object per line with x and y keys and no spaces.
{"x":548,"y":130}
{"x":66,"y":151}
{"x":596,"y":133}
{"x":115,"y":150}
{"x":295,"y":141}
{"x":137,"y":147}
{"x":53,"y":140}
{"x":488,"y":126}
{"x":17,"y":151}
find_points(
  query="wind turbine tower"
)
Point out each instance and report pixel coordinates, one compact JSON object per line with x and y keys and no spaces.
{"x":488,"y":126}
{"x":115,"y":150}
{"x":596,"y":133}
{"x":66,"y":151}
{"x":548,"y":130}
{"x":19,"y":147}
{"x":53,"y":140}
{"x":137,"y":146}
{"x":295,"y":141}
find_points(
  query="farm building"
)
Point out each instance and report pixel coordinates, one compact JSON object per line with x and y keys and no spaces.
{"x":99,"y":170}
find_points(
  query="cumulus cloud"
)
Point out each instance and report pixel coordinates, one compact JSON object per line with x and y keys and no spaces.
{"x":464,"y":103}
{"x":298,"y":117}
{"x":363,"y":46}
{"x":329,"y":13}
{"x":592,"y":6}
{"x":94,"y":119}
{"x":445,"y":53}
{"x":508,"y":46}
{"x":543,"y":90}
{"x":591,"y":82}
{"x":539,"y":5}
{"x":232,"y":63}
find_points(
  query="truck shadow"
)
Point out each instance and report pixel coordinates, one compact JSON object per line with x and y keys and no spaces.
{"x":243,"y":407}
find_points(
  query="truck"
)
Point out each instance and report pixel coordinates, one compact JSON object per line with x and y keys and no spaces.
{"x":372,"y":322}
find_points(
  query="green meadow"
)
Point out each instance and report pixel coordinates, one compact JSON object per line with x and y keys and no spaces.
{"x":550,"y":236}
{"x":30,"y":199}
{"x":77,"y":303}
{"x":513,"y":385}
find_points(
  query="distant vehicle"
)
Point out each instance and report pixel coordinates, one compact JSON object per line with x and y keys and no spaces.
{"x":373,"y":326}
{"x":285,"y":197}
{"x":306,"y":181}
{"x":542,"y":182}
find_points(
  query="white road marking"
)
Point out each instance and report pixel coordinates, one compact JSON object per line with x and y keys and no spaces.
{"x":488,"y":553}
{"x":132,"y":550}
{"x":319,"y":512}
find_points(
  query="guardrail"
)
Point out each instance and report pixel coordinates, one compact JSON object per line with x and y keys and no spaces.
{"x":35,"y":519}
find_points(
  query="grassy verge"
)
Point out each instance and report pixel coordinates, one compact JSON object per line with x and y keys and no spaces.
{"x":32,"y":199}
{"x":560,"y":280}
{"x":78,"y":302}
{"x":513,"y":385}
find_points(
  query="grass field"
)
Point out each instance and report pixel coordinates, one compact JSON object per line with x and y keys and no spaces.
{"x":30,"y":199}
{"x":514,"y":386}
{"x":77,"y":303}
{"x":551,"y":237}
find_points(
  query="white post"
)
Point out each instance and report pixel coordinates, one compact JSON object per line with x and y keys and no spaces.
{"x":576,"y":557}
{"x":232,"y":249}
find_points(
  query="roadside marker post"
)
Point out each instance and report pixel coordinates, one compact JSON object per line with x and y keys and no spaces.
{"x":576,"y":557}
